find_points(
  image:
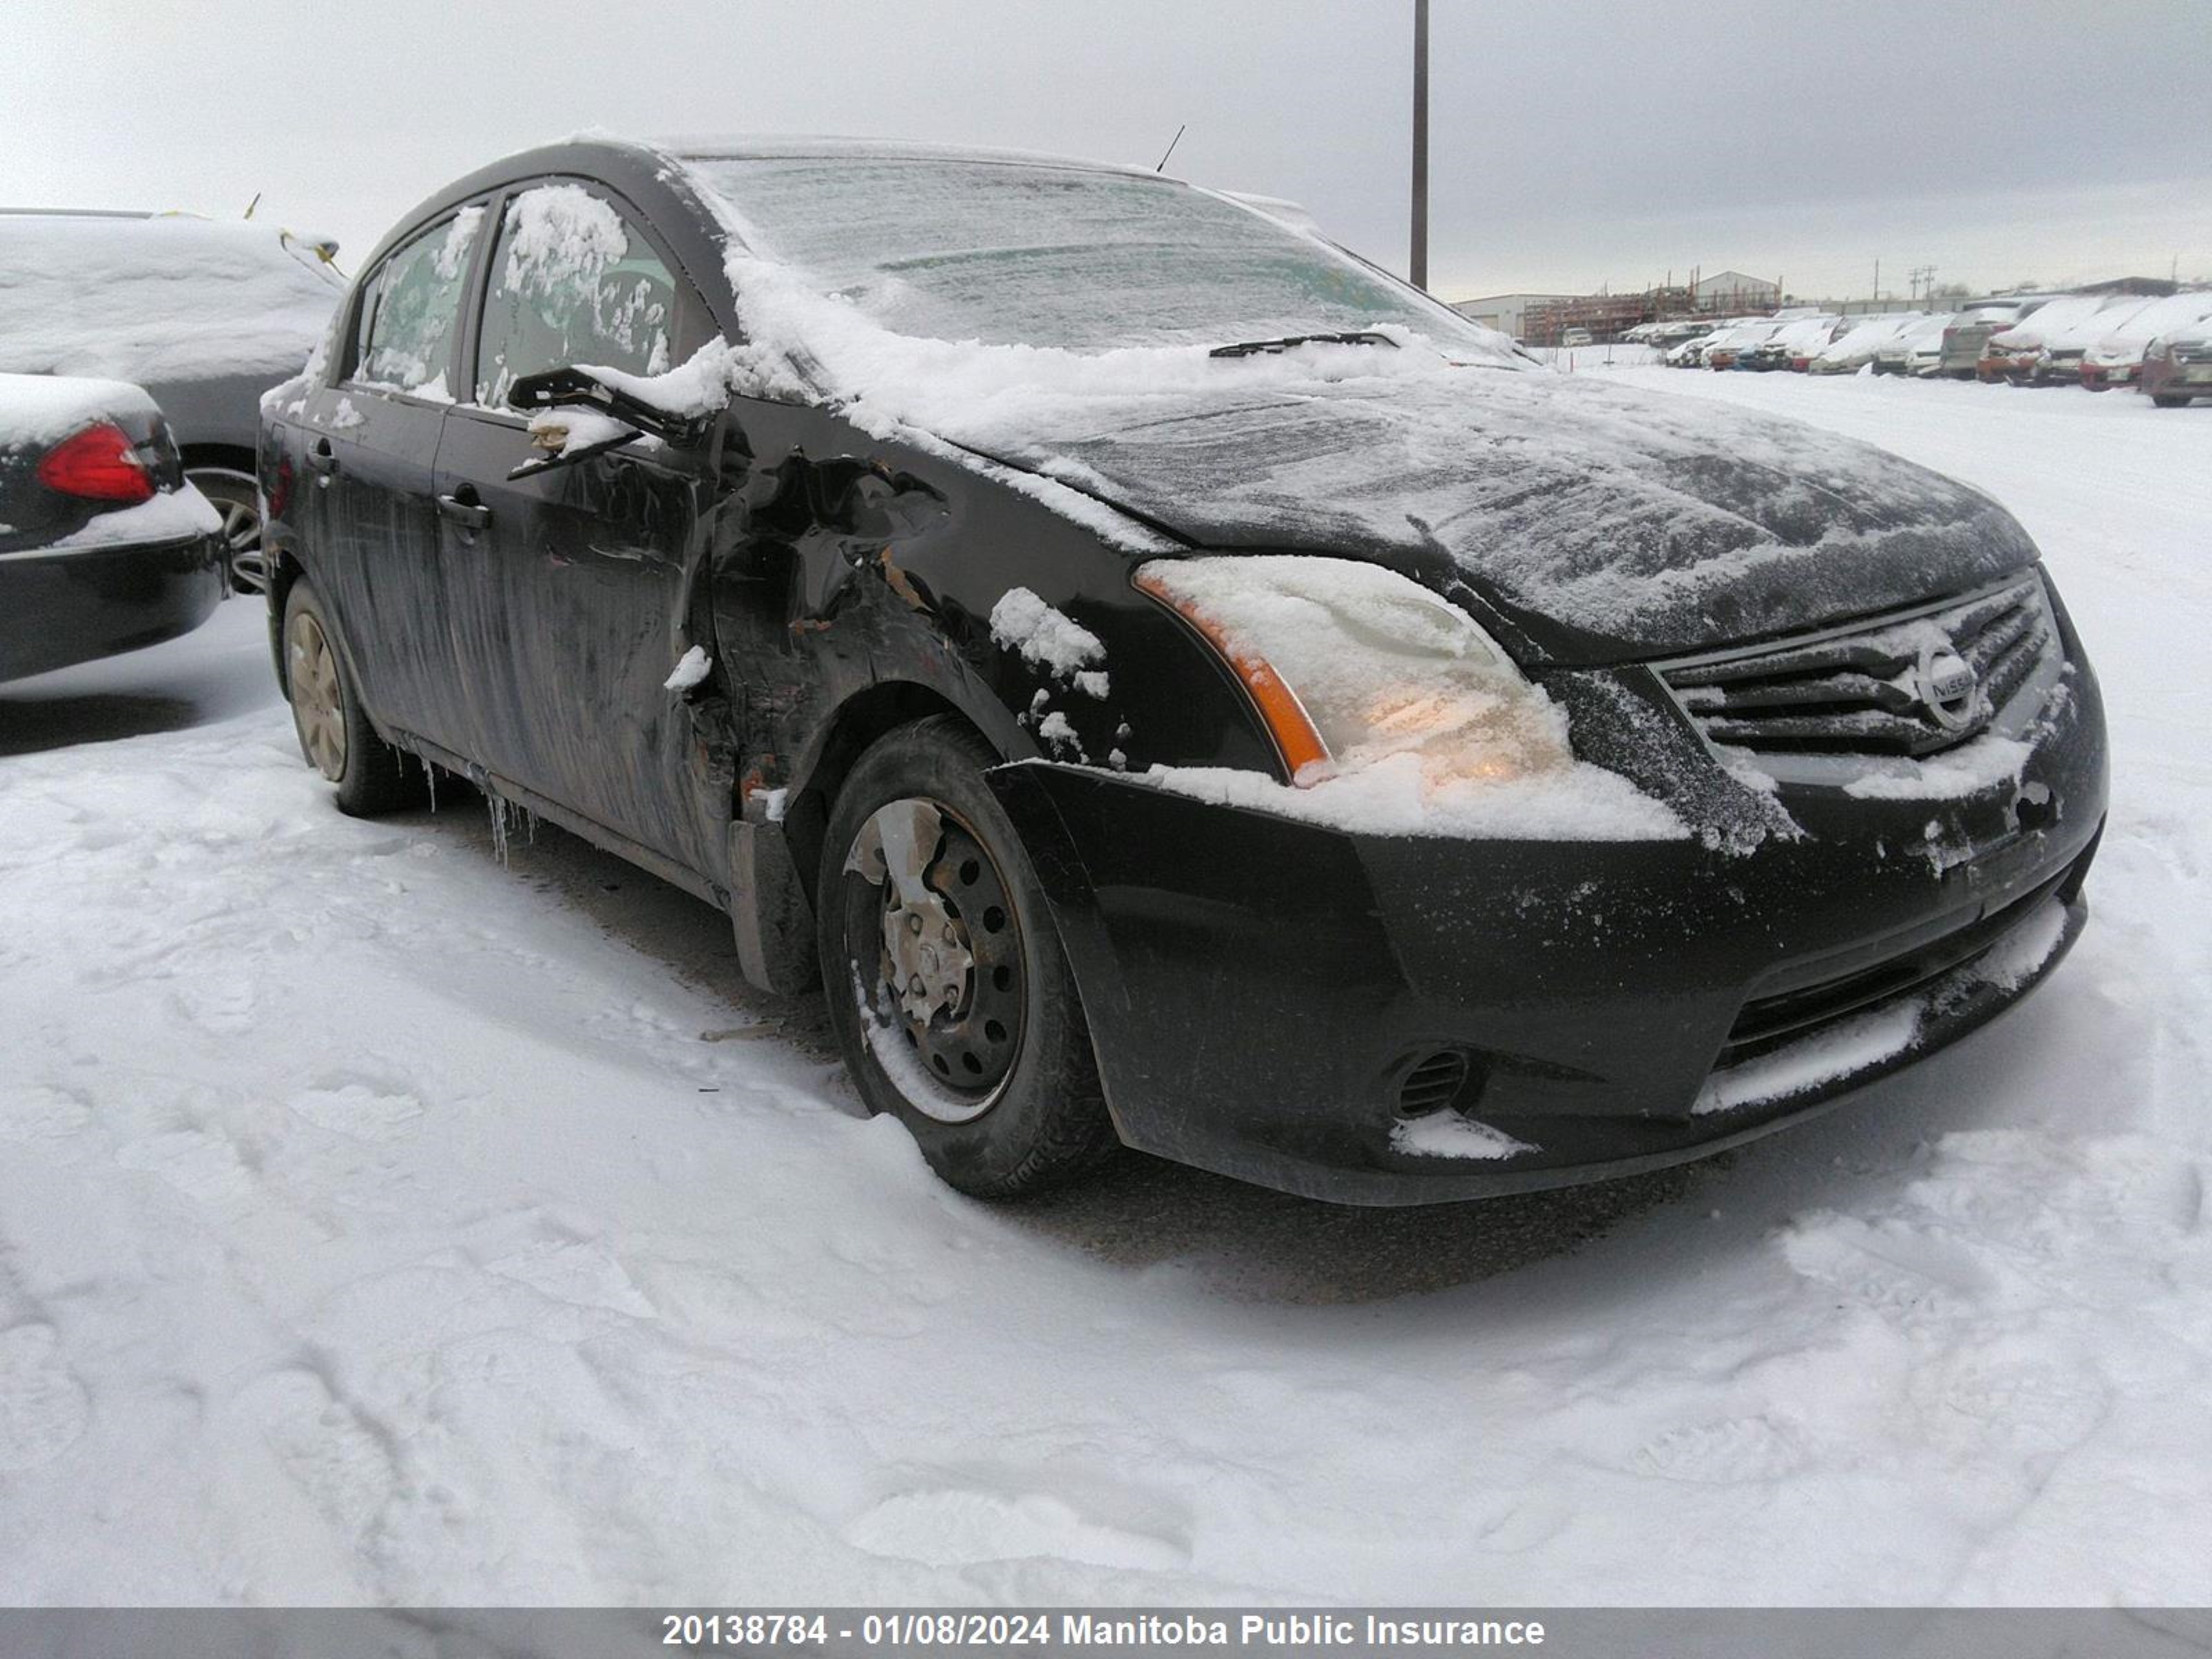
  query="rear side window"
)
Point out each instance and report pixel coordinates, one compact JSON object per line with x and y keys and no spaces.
{"x":573,"y":281}
{"x":412,"y":308}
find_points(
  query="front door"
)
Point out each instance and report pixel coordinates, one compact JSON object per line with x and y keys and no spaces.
{"x":571,"y":609}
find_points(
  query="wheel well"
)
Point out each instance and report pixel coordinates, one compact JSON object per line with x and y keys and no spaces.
{"x":284,"y":571}
{"x":863,"y":718}
{"x":237,"y":459}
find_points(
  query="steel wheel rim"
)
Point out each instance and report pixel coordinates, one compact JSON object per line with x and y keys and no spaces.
{"x":318,"y":701}
{"x":935,"y":952}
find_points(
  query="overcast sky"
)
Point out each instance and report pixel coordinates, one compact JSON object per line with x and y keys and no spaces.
{"x":1576,"y":142}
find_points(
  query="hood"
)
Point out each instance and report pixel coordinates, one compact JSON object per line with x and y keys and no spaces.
{"x":1604,"y":524}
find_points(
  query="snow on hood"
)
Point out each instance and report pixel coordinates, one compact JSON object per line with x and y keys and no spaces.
{"x":1610,"y":524}
{"x":154,"y":299}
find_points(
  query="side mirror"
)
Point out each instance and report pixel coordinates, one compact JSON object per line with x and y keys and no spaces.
{"x":580,"y":387}
{"x":562,"y":448}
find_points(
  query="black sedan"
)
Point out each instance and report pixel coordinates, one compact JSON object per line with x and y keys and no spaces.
{"x":104,"y":545}
{"x":1176,"y":685}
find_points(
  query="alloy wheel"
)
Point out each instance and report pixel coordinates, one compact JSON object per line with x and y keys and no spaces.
{"x":237,"y":501}
{"x":318,"y":701}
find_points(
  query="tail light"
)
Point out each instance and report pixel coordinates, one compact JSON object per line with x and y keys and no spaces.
{"x":100,"y":464}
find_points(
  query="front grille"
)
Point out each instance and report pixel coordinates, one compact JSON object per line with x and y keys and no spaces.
{"x":1764,"y":1023}
{"x":1432,"y":1085}
{"x":1911,"y":686}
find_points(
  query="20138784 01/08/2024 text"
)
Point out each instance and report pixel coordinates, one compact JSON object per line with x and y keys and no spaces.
{"x":941,"y":1628}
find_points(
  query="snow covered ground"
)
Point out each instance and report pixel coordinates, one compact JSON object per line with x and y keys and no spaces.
{"x":378,"y":1224}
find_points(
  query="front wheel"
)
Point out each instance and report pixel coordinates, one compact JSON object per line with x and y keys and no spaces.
{"x":947,"y":985}
{"x":2166,"y":400}
{"x":335,"y":734}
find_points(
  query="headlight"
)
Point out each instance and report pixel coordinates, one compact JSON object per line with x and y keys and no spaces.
{"x":1349,"y":664}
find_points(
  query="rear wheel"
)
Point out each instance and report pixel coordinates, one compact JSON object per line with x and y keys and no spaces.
{"x":335,"y":735}
{"x":2166,"y":400}
{"x":947,"y":985}
{"x":237,"y":499}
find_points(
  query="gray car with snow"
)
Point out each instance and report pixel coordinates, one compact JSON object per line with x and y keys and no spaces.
{"x":1172,"y":685}
{"x":205,"y":314}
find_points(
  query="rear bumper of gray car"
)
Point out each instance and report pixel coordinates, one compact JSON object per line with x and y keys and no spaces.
{"x":74,"y":604}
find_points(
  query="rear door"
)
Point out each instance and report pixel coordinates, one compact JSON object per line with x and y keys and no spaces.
{"x":570,"y":594}
{"x":371,"y":449}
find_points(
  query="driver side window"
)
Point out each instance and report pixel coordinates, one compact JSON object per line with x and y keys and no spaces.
{"x":573,"y":282}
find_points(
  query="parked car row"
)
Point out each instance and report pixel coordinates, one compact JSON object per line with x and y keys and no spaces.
{"x":2096,"y":340}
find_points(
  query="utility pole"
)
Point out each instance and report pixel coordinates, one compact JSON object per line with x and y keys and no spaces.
{"x":1418,"y":260}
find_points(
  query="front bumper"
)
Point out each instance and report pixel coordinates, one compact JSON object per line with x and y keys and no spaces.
{"x":1260,"y":990}
{"x":75,"y":604}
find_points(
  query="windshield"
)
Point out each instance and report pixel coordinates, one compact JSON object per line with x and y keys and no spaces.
{"x":1021,"y":254}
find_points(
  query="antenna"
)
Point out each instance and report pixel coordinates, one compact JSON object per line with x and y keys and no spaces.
{"x":1417,"y":261}
{"x":1172,"y":142}
{"x":252,"y":204}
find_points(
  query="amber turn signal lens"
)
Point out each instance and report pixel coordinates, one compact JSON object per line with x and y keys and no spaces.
{"x":1287,"y":722}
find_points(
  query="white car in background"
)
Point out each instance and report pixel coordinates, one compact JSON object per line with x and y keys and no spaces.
{"x":1916,"y":351}
{"x":1854,"y":349}
{"x":2117,"y":357}
{"x":1793,"y":344}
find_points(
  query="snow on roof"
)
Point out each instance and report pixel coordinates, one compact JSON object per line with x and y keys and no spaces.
{"x":2128,"y":340}
{"x":156,"y":298}
{"x":2066,"y":311}
{"x":786,"y":147}
{"x":2175,"y":312}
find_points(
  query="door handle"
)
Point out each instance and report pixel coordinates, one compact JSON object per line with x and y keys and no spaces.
{"x":322,"y":457}
{"x":463,"y":510}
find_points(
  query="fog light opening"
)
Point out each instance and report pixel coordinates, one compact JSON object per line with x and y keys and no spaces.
{"x":1433,"y":1084}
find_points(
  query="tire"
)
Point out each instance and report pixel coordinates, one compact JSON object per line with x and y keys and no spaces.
{"x":2163,"y":400}
{"x":238,"y":499}
{"x":335,"y":735}
{"x":989,"y":1067}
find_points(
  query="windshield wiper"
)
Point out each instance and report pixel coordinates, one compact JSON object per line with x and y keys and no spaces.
{"x":1351,"y":336}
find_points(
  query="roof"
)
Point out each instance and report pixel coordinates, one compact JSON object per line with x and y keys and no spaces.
{"x":785,"y":147}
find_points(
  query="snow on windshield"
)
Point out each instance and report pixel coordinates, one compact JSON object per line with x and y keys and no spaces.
{"x":1083,"y":259}
{"x":155,"y":300}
